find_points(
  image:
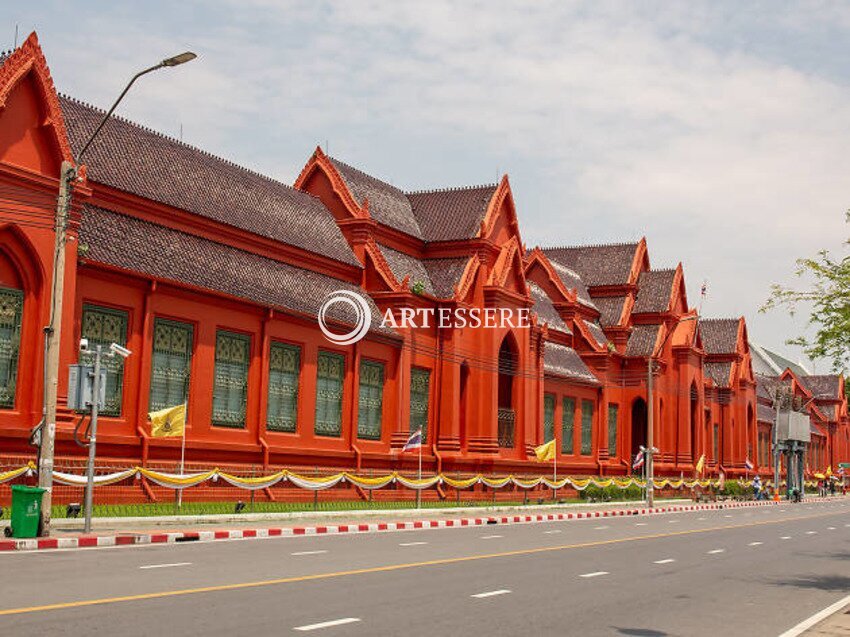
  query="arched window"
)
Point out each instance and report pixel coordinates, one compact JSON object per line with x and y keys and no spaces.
{"x":11,"y":312}
{"x":508,"y":359}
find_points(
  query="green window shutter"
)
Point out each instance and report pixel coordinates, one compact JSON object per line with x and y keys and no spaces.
{"x":613,"y":411}
{"x":230,"y":387}
{"x":548,"y":417}
{"x":11,"y":311}
{"x":369,"y":411}
{"x":103,"y":326}
{"x":170,"y":364}
{"x":568,"y":425}
{"x":586,"y":427}
{"x":284,"y":368}
{"x":420,"y":395}
{"x":329,"y":376}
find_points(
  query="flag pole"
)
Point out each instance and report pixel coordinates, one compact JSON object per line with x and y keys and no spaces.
{"x":419,"y":474}
{"x":183,"y":454}
{"x":555,"y":473}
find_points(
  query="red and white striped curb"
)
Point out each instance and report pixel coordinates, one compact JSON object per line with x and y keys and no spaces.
{"x":131,"y":539}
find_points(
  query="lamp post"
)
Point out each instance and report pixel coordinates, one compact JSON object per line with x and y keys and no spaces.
{"x":650,"y":420}
{"x":67,"y":178}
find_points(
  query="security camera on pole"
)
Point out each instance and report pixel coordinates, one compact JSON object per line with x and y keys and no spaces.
{"x":68,"y":176}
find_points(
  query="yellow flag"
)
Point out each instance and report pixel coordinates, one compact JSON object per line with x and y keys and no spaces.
{"x":829,"y":470}
{"x":168,"y":422}
{"x":545,"y":452}
{"x":701,"y":463}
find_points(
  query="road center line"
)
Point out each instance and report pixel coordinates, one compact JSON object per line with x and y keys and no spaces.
{"x":166,"y":565}
{"x":490,"y":537}
{"x":755,"y":543}
{"x":640,"y":524}
{"x":599,"y":528}
{"x":785,"y":537}
{"x":811,"y":532}
{"x":308,"y":552}
{"x":503,"y":591}
{"x":412,"y":543}
{"x":552,"y":532}
{"x":665,"y":561}
{"x":716,"y":551}
{"x":594,"y":574}
{"x":328,"y":624}
{"x":388,"y":568}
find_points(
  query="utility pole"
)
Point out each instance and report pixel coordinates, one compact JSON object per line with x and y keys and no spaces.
{"x":650,"y":435}
{"x":95,"y":404}
{"x":67,"y":175}
{"x":778,"y":406}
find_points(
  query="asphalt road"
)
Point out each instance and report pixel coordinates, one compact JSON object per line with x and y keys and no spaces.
{"x":753,"y":572}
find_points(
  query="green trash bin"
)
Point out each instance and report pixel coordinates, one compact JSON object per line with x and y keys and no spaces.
{"x":26,"y":510}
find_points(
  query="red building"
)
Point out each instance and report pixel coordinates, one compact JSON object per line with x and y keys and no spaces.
{"x":213,"y":276}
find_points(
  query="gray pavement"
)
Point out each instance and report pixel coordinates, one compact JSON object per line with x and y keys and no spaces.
{"x":751,"y":571}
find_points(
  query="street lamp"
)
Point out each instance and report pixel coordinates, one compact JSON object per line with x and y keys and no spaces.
{"x":650,"y":428}
{"x":67,"y":178}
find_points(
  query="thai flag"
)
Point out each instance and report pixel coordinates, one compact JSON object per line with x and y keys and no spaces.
{"x":639,"y":460}
{"x":414,"y":442}
{"x":749,"y":464}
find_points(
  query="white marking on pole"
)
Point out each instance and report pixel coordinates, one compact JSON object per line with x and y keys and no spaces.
{"x":804,"y":625}
{"x":502,"y":591}
{"x":755,"y":543}
{"x":716,"y":551}
{"x":308,"y":552}
{"x":412,"y":543}
{"x":166,"y":565}
{"x":328,"y":624}
{"x":666,"y":561}
{"x":490,"y":537}
{"x":594,"y":574}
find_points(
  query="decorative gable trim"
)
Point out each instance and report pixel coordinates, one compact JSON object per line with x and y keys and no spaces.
{"x":320,"y":161}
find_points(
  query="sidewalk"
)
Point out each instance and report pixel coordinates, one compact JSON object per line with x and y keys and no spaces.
{"x":134,"y":531}
{"x":836,"y":623}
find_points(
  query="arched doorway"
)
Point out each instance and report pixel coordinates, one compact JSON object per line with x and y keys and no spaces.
{"x":508,"y":359}
{"x":751,"y":431}
{"x":464,"y":393}
{"x":639,"y":421}
{"x":694,"y":421}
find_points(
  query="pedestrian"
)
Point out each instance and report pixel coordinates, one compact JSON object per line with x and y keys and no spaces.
{"x":757,"y":494}
{"x":831,"y":487}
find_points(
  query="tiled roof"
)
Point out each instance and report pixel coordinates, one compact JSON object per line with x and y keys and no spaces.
{"x":445,"y":274}
{"x":642,"y":340}
{"x":720,"y":373}
{"x":719,"y":336}
{"x":610,"y":309}
{"x":172,"y":255}
{"x":572,"y":280}
{"x":403,"y":265}
{"x":596,"y":332}
{"x":137,"y":160}
{"x":387,"y":204}
{"x":654,"y":291}
{"x":830,"y":411}
{"x":823,"y":386}
{"x":453,"y":214}
{"x":766,"y":386}
{"x":597,"y":265}
{"x":559,"y":360}
{"x":546,"y":312}
{"x":765,"y":414}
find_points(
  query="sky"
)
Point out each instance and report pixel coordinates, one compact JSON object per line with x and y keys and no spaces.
{"x":717,"y":130}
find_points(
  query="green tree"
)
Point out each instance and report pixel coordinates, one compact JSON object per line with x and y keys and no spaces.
{"x":829,"y":299}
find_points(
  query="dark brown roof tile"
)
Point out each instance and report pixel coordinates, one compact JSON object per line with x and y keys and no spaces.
{"x":559,"y":360}
{"x":655,"y":288}
{"x":599,"y":264}
{"x":451,"y":214}
{"x":719,"y":336}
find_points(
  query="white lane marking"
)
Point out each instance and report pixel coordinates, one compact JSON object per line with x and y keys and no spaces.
{"x":716,"y":551}
{"x":804,"y":625}
{"x":672,"y":521}
{"x":755,"y":543}
{"x":328,"y":624}
{"x":412,"y":543}
{"x":594,"y":574}
{"x":640,"y":524}
{"x":830,"y":528}
{"x":166,"y":565}
{"x":599,"y":528}
{"x":308,"y":552}
{"x":811,"y":532}
{"x":666,"y":561}
{"x":503,"y":591}
{"x":700,"y":518}
{"x":552,"y":532}
{"x":727,"y":516}
{"x":785,"y":537}
{"x":490,"y":537}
